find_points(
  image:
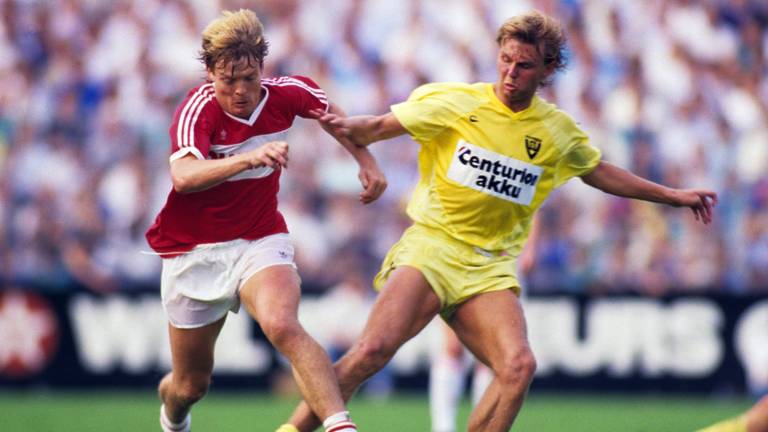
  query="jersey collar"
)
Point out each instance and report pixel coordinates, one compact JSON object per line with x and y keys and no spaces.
{"x":255,"y":115}
{"x":531,"y":108}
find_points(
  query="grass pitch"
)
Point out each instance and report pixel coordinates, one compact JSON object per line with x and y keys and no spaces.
{"x":229,"y":412}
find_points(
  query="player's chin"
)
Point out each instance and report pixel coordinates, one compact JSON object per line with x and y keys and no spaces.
{"x":240,"y":110}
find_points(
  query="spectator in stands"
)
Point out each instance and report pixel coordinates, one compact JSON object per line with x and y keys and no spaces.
{"x":116,"y":68}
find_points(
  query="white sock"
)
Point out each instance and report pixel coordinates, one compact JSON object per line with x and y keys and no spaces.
{"x":169,"y":426}
{"x":446,"y":384}
{"x":481,"y":379}
{"x":339,"y":422}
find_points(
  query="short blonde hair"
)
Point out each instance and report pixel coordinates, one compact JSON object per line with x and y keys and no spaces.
{"x":540,"y":30}
{"x":232,"y":37}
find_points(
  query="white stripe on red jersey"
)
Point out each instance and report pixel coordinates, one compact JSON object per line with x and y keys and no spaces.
{"x":284,"y":81}
{"x":190,"y":129}
{"x":180,"y":153}
{"x":294,"y":81}
{"x":222,"y":151}
{"x":192,"y":103}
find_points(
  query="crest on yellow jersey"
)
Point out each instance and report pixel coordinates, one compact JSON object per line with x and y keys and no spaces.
{"x":532,"y":146}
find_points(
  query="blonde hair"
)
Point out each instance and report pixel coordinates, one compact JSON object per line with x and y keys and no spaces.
{"x":232,"y":37}
{"x":540,"y":30}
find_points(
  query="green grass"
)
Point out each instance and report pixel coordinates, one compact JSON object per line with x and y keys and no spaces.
{"x":228,"y":412}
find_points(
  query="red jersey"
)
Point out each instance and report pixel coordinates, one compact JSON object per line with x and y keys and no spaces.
{"x":245,"y":205}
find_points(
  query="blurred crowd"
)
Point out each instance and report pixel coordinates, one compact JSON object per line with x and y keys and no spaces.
{"x":674,"y":90}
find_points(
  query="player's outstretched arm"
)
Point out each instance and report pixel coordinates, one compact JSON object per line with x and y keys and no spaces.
{"x":363,"y":129}
{"x":190,"y":174}
{"x":617,"y":181}
{"x":371,"y":177}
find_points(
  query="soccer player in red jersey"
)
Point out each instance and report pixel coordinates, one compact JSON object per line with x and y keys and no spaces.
{"x":221,"y":236}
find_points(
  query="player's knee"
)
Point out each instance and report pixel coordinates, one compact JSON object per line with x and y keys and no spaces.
{"x":281,"y":331}
{"x":190,"y":391}
{"x":373,"y":354}
{"x":517,"y":368}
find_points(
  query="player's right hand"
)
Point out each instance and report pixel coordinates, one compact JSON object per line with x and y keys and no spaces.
{"x":273,"y":154}
{"x":374,"y":182}
{"x":700,"y":201}
{"x":334,"y":124}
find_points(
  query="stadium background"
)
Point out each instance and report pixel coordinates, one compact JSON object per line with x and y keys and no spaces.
{"x":625,"y":298}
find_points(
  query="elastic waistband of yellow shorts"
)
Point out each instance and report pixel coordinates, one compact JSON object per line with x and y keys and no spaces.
{"x":443,"y":235}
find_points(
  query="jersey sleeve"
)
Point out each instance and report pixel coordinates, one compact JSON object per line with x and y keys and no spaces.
{"x":192,"y":125}
{"x":307,"y":94}
{"x":429,"y":110}
{"x":580,"y":157}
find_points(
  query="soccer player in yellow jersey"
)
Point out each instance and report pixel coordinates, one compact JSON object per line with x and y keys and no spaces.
{"x":754,"y":420}
{"x":490,"y":154}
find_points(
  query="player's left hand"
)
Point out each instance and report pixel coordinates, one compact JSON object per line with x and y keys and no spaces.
{"x":700,"y":201}
{"x":374,"y":183}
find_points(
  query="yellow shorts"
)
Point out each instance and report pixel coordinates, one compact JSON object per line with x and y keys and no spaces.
{"x":456,"y":270}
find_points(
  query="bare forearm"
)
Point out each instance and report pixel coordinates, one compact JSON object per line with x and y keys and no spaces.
{"x":361,"y":130}
{"x":357,"y":150}
{"x":367,"y":129}
{"x":617,"y":181}
{"x":371,"y":178}
{"x":190,"y":174}
{"x":364,"y":129}
{"x":193,"y":175}
{"x":361,"y":154}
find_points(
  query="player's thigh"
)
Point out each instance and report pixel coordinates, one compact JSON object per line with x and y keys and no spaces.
{"x":405,"y":305}
{"x":491,"y":325}
{"x":192,"y":349}
{"x":272,"y":292}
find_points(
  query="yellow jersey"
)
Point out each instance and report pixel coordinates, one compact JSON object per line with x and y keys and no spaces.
{"x":484,"y":169}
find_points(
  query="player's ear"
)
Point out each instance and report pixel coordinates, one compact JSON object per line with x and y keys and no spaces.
{"x":209,"y":74}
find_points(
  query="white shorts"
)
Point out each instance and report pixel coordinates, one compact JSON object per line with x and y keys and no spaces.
{"x":202,"y":285}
